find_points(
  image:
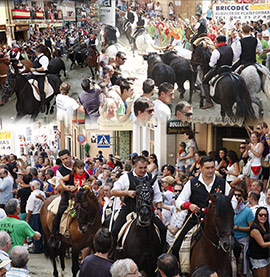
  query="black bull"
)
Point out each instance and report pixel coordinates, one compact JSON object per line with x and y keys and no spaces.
{"x":182,"y":71}
{"x":56,"y":65}
{"x":78,"y":54}
{"x":158,"y":70}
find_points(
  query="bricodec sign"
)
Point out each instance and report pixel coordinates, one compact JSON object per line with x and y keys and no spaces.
{"x":242,"y":12}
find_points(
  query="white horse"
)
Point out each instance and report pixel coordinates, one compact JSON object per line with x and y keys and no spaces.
{"x":256,"y":83}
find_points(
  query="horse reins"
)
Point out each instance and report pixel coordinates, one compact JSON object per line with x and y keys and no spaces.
{"x":219,"y":244}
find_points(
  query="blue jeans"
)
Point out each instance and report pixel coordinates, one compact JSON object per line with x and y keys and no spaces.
{"x":35,"y":223}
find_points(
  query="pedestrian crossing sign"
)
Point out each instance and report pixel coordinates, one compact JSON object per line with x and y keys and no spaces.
{"x":103,"y":141}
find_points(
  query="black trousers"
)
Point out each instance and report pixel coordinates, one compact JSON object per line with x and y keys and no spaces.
{"x":191,"y":223}
{"x":209,"y":75}
{"x":61,"y":209}
{"x":121,"y":220}
{"x":41,"y":80}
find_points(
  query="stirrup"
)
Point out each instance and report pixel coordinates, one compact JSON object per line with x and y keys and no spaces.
{"x":67,"y":233}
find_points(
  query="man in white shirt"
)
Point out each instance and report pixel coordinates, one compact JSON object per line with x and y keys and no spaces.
{"x":194,"y":195}
{"x":6,"y":186}
{"x":40,"y":66}
{"x":253,"y":200}
{"x":33,"y":206}
{"x":126,"y":187}
{"x":66,"y":105}
{"x":165,"y":96}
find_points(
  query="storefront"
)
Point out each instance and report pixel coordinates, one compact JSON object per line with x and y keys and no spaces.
{"x":21,"y":32}
{"x":3,"y":38}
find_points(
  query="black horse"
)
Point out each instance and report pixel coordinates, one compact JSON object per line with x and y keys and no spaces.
{"x":56,"y":65}
{"x":182,"y":71}
{"x":229,"y":90}
{"x":142,"y":243}
{"x":26,"y":102}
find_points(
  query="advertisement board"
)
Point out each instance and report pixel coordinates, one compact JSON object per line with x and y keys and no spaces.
{"x":242,"y":12}
{"x":107,"y":12}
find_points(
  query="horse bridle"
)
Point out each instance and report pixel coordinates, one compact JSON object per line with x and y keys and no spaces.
{"x":81,"y":209}
{"x":218,"y":245}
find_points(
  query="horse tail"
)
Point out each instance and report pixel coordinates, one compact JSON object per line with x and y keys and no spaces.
{"x":241,"y":93}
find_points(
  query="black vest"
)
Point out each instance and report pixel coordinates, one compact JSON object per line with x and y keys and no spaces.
{"x":226,"y":55}
{"x":203,"y":27}
{"x":199,"y":194}
{"x":64,"y":171}
{"x":48,"y":43}
{"x":248,"y":54}
{"x":129,"y":202}
{"x":36,"y":63}
{"x":140,"y":22}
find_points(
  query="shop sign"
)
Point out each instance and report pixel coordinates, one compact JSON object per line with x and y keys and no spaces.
{"x":19,"y":28}
{"x":107,"y":12}
{"x":177,"y":127}
{"x":6,"y":143}
{"x":242,"y":12}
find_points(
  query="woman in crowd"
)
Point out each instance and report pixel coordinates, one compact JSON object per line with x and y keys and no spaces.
{"x":153,"y":165}
{"x":254,"y":151}
{"x":222,"y":162}
{"x":191,"y":148}
{"x":243,"y":219}
{"x":232,"y":171}
{"x":181,"y":153}
{"x":194,"y":170}
{"x":260,"y":243}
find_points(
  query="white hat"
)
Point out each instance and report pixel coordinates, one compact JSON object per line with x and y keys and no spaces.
{"x":265,"y":33}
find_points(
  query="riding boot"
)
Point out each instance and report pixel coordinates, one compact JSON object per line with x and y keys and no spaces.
{"x":209,"y":103}
{"x":42,"y":100}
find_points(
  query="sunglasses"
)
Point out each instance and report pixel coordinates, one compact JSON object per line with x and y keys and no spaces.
{"x":187,"y":114}
{"x":262,"y":215}
{"x":150,"y":111}
{"x":258,"y":128}
{"x":238,"y":195}
{"x":177,"y":190}
{"x":123,"y":59}
{"x":242,"y":147}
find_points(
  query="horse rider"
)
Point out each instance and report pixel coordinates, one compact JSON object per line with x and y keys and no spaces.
{"x":246,"y":48}
{"x":222,"y":55}
{"x":40,"y":66}
{"x":126,"y":187}
{"x":92,"y":43}
{"x":201,"y":26}
{"x":194,"y":196}
{"x":141,"y":23}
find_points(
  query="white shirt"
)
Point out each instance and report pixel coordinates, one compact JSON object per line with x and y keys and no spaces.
{"x":44,"y":61}
{"x":161,"y":111}
{"x":33,"y":203}
{"x":123,"y":184}
{"x":238,"y":48}
{"x":65,"y":107}
{"x":186,"y":192}
{"x":254,"y":209}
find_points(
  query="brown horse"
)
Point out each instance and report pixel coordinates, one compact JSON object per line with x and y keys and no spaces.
{"x":91,"y":61}
{"x":215,"y":245}
{"x":4,"y":67}
{"x":82,"y":229}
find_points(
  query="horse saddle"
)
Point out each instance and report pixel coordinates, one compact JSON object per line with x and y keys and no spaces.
{"x":221,"y":72}
{"x":131,"y":217}
{"x":48,"y":89}
{"x":185,"y":250}
{"x":53,"y":208}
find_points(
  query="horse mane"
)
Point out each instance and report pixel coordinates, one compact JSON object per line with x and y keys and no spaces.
{"x":223,"y":207}
{"x":145,"y":193}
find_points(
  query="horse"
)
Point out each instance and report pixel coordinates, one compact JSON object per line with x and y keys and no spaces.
{"x":229,"y":90}
{"x":26,"y":101}
{"x":255,"y":83}
{"x":82,"y":229}
{"x":78,"y":54}
{"x":214,"y":247}
{"x":142,"y":243}
{"x":91,"y":61}
{"x":46,"y":51}
{"x":4,"y":67}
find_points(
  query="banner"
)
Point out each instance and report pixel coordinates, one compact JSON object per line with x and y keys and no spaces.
{"x":7,"y":143}
{"x":242,"y":12}
{"x":107,"y":12}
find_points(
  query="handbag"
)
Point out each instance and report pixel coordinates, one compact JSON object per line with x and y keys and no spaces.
{"x":247,"y":169}
{"x":264,"y":162}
